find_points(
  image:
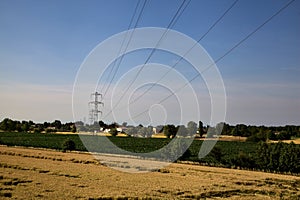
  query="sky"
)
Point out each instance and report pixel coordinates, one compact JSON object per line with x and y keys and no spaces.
{"x":44,"y":43}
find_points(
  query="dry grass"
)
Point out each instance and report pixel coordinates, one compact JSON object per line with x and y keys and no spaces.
{"x":46,"y":174}
{"x":296,"y":141}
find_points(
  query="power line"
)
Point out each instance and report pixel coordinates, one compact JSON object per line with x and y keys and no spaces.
{"x":186,"y":53}
{"x":224,"y":55}
{"x":130,"y":38}
{"x":131,"y":21}
{"x":175,"y":18}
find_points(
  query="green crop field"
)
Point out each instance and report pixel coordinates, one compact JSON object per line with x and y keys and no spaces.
{"x":232,"y":154}
{"x":228,"y":149}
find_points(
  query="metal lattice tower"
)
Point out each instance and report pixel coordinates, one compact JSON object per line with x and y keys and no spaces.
{"x":94,"y":107}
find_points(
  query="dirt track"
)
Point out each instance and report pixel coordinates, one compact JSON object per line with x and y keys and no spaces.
{"x":46,"y":174}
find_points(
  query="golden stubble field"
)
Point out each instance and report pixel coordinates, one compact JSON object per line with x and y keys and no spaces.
{"x":46,"y":174}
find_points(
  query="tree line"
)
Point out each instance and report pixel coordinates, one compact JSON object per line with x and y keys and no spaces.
{"x":269,"y":157}
{"x":10,"y":125}
{"x":261,"y":133}
{"x":252,"y":132}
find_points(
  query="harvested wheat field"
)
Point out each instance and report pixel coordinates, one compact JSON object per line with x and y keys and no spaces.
{"x":46,"y":174}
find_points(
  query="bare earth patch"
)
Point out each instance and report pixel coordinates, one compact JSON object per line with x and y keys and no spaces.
{"x":46,"y":174}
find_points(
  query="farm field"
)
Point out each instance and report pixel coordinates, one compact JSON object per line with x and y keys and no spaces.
{"x":140,"y":145}
{"x":28,"y":173}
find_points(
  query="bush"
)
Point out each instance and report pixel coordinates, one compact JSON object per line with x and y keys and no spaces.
{"x":256,"y":138}
{"x":113,"y":132}
{"x":177,"y":150}
{"x":48,"y":130}
{"x":68,"y":145}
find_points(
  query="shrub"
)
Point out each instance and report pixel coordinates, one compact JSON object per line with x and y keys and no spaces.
{"x":48,"y":130}
{"x":177,"y":150}
{"x":69,"y":145}
{"x":113,"y":132}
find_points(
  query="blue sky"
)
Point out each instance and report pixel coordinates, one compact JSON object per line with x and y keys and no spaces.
{"x":43,"y":43}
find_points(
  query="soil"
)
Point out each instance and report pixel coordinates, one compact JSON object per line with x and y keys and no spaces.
{"x":28,"y":173}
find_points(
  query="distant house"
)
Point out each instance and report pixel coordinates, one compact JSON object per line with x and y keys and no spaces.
{"x":154,"y":130}
{"x":122,"y":129}
{"x":106,"y":130}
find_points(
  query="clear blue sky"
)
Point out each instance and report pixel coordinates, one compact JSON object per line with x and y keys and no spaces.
{"x":43,"y":43}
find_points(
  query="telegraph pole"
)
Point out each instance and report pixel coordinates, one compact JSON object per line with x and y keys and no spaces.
{"x":94,"y":107}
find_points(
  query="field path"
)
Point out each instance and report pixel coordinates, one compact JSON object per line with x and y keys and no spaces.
{"x":28,"y":173}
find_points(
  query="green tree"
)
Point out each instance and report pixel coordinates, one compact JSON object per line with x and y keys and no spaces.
{"x":8,"y":125}
{"x":132,"y":131}
{"x":211,"y":132}
{"x":219,"y":128}
{"x":177,"y":150}
{"x":263,"y":155}
{"x":68,"y":145}
{"x":275,"y":151}
{"x":201,"y":129}
{"x":170,"y":130}
{"x":244,"y":160}
{"x":73,"y":129}
{"x":4,"y":125}
{"x":217,"y":154}
{"x":271,"y":135}
{"x":294,"y":158}
{"x":46,"y":124}
{"x":25,"y":126}
{"x":182,"y":131}
{"x":145,"y":131}
{"x":113,"y":131}
{"x":57,"y":124}
{"x":102,"y":125}
{"x":191,"y":128}
{"x":284,"y":135}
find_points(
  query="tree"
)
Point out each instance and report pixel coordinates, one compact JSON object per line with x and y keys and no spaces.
{"x":263,"y":155}
{"x":102,"y":124}
{"x":113,"y":132}
{"x":211,"y":132}
{"x":8,"y":125}
{"x":73,"y":129}
{"x":182,"y":131}
{"x":217,"y":154}
{"x":145,"y":131}
{"x":177,"y":149}
{"x":113,"y":125}
{"x":19,"y":127}
{"x":294,"y":157}
{"x":56,"y":124}
{"x":191,"y":128}
{"x":68,"y":145}
{"x":170,"y":130}
{"x":284,"y":135}
{"x":226,"y":129}
{"x":159,"y":128}
{"x":46,"y":124}
{"x":4,"y":125}
{"x":200,"y":129}
{"x":235,"y":131}
{"x":244,"y":160}
{"x":131,"y":131}
{"x":271,"y":136}
{"x":38,"y":128}
{"x":25,"y":126}
{"x":219,"y":128}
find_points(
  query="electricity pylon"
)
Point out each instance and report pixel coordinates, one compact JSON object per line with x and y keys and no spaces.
{"x":94,"y":107}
